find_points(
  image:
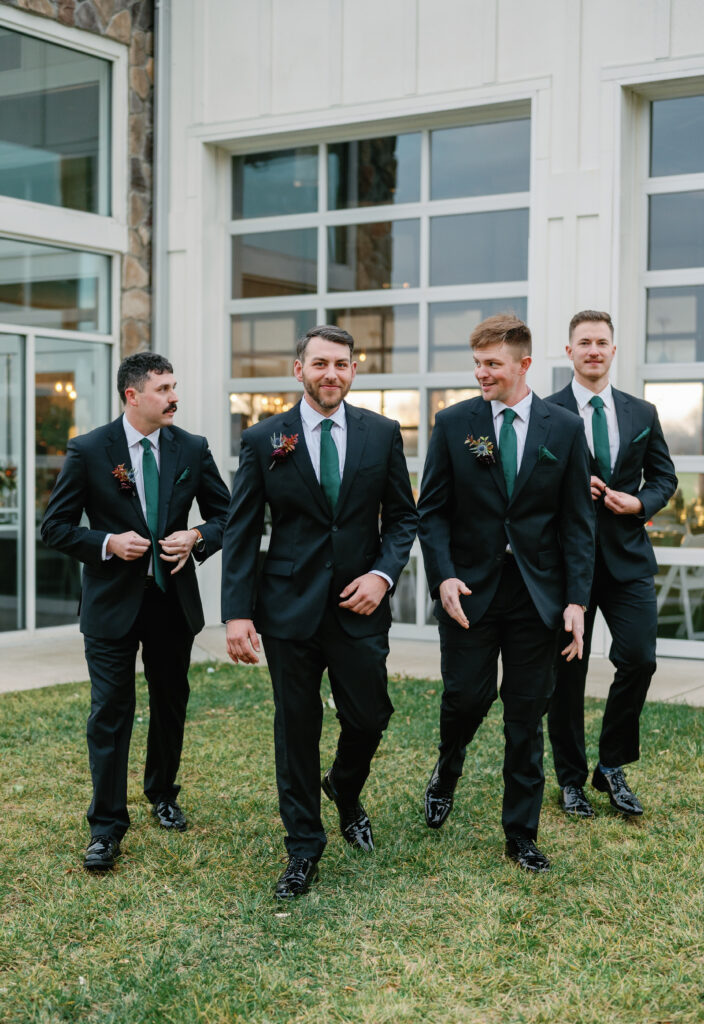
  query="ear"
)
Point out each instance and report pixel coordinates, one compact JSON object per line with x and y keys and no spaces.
{"x":525,"y":364}
{"x":298,"y":370}
{"x":130,"y":396}
{"x":568,"y":350}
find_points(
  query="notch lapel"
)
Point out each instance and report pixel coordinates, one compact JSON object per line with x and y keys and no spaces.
{"x":119,"y":454}
{"x":301,"y":458}
{"x":538,"y":426}
{"x":624,"y":418}
{"x":169,"y":450}
{"x":357,"y":433}
{"x":481,"y":424}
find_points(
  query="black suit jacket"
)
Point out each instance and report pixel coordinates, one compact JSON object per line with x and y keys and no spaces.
{"x":312,"y":553}
{"x":467,"y":518}
{"x":644,"y":468}
{"x":112,"y":590}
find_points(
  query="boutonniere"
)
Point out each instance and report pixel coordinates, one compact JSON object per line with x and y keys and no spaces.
{"x":643,"y":433}
{"x":482,"y":449}
{"x":545,"y":455}
{"x":185,"y":475}
{"x":282,"y":447}
{"x":125,"y":478}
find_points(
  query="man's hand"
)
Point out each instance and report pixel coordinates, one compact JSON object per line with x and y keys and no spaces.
{"x":242,"y":641}
{"x":127,"y":546}
{"x":598,"y":487}
{"x":574,"y":624}
{"x":177,"y":547}
{"x":364,"y":593}
{"x":622,"y":504}
{"x":450,"y":591}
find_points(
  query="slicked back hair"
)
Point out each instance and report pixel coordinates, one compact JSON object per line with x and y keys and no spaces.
{"x":134,"y":370}
{"x":504,"y":328}
{"x":329,"y":333}
{"x":589,"y":316}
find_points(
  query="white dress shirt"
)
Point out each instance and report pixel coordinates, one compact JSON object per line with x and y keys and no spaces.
{"x":583,"y":397}
{"x":520,"y":423}
{"x":134,"y":446}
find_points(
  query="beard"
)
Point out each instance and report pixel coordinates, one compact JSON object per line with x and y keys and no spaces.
{"x":314,"y":390}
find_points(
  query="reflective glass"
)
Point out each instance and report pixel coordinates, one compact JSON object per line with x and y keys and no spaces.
{"x":681,"y":522}
{"x":264,"y":344}
{"x":371,"y":172}
{"x":676,"y":230}
{"x":675,"y":325}
{"x":451,"y":323}
{"x":272,"y":184}
{"x":477,"y":248}
{"x":403,"y":406}
{"x":12,"y":483}
{"x":677,"y":136}
{"x":369,"y":256}
{"x":45,"y":286}
{"x":245,"y":410}
{"x":54,"y":124}
{"x":274,"y":263}
{"x":480,"y":159}
{"x":442,"y":398}
{"x":385,"y":337}
{"x":680,"y":406}
{"x":680,"y":593}
{"x":403,"y":599}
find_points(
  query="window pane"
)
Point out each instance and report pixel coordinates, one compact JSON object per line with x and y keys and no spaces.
{"x":245,"y":410}
{"x":54,"y":124}
{"x":272,"y":184}
{"x":403,"y":406}
{"x":675,"y":325}
{"x":374,"y":172}
{"x":403,"y":599}
{"x":274,"y":263}
{"x":385,"y":337}
{"x":680,"y":407}
{"x":44,"y":286}
{"x":681,"y":522}
{"x":451,"y":323}
{"x":441,"y":398}
{"x":368,"y":256}
{"x":480,"y":159}
{"x":264,"y":344}
{"x":676,"y":230}
{"x":677,"y":136}
{"x":13,"y":486}
{"x":680,"y":592}
{"x":476,"y":248}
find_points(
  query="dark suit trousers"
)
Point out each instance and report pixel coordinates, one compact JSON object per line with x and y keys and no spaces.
{"x":166,"y":650}
{"x":511,"y":627}
{"x":630,"y":610}
{"x":357,"y":671}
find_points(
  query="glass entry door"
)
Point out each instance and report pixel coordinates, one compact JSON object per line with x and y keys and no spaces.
{"x":12,"y":483}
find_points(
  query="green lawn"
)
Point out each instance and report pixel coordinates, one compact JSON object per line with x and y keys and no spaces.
{"x":435,"y":927}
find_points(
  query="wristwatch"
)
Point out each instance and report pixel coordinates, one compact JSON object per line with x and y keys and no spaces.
{"x":200,"y":543}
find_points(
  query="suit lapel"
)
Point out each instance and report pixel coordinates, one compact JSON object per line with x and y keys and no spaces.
{"x":119,"y":455}
{"x":538,"y":426}
{"x":357,"y":433}
{"x":481,"y":423}
{"x":169,"y":449}
{"x":624,"y":418}
{"x":301,"y":458}
{"x":566,"y":399}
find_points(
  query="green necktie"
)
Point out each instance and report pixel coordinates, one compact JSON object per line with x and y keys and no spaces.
{"x":508,"y":449}
{"x":600,"y":436}
{"x":150,"y":475}
{"x":329,"y":465}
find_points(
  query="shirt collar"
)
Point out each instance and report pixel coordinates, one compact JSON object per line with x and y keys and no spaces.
{"x":134,"y":437}
{"x":311,"y":418}
{"x":521,"y":409}
{"x":583,"y":396}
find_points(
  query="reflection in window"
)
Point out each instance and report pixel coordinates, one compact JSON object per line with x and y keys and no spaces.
{"x":477,"y":248}
{"x":443,"y":398}
{"x":385,"y":337}
{"x":45,"y":286}
{"x":680,"y":407}
{"x":246,"y":410}
{"x":677,"y":136}
{"x":480,"y":159}
{"x":275,"y":183}
{"x":264,"y":344}
{"x":274,"y":263}
{"x":676,"y":230}
{"x":54,"y":124}
{"x":368,"y":256}
{"x":680,"y":597}
{"x":371,"y":172}
{"x":681,"y":522}
{"x":675,"y":325}
{"x":397,"y":405}
{"x":451,"y":323}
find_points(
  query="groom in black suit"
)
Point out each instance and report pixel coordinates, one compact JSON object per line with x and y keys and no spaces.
{"x":632,"y":478}
{"x":507,"y":532}
{"x":343,"y":521}
{"x":135,"y":479}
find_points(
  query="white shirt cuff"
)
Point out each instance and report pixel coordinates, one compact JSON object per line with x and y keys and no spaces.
{"x":375,"y":572}
{"x":105,"y":556}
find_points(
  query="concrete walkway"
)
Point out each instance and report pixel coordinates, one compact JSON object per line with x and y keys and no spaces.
{"x":56,"y":656}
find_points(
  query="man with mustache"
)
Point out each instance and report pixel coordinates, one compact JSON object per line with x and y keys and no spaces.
{"x":632,"y":478}
{"x":135,"y":479}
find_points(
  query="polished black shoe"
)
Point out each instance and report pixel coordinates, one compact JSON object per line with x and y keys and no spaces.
{"x":101,"y":853}
{"x":170,"y":815}
{"x":438,"y":800}
{"x":355,"y":825}
{"x":297,"y":879}
{"x":573,"y":801}
{"x":526,"y":854}
{"x":621,"y":796}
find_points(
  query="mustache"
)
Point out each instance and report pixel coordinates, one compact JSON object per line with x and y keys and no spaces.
{"x":171,"y":407}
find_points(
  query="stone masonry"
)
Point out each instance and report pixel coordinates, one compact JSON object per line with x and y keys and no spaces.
{"x":130,"y":22}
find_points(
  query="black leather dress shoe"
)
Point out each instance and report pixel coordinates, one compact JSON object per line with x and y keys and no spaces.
{"x":170,"y":815}
{"x":438,"y":800}
{"x":297,"y":879}
{"x":526,"y":854}
{"x":573,"y":801}
{"x":101,"y":853}
{"x":355,"y":825}
{"x":621,"y":796}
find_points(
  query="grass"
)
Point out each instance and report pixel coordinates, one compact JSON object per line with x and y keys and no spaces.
{"x":435,"y":927}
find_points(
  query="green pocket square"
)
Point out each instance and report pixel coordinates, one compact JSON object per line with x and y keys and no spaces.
{"x":185,"y":475}
{"x":643,"y":433}
{"x":545,"y":455}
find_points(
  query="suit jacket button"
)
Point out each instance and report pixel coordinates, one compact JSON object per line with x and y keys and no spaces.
{"x":507,"y":522}
{"x":328,"y":565}
{"x":334,"y":529}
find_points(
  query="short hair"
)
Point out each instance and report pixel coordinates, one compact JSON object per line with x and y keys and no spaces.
{"x":591,"y":316}
{"x":134,"y":370}
{"x":327,"y":331}
{"x":504,"y":328}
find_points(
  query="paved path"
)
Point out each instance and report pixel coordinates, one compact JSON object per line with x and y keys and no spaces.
{"x":56,"y":656}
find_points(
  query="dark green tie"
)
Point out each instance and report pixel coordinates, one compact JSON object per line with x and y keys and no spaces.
{"x":508,"y":449}
{"x":329,"y":465}
{"x":150,"y":475}
{"x":600,"y":436}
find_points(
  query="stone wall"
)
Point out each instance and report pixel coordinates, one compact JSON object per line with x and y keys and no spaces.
{"x":130,"y":22}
